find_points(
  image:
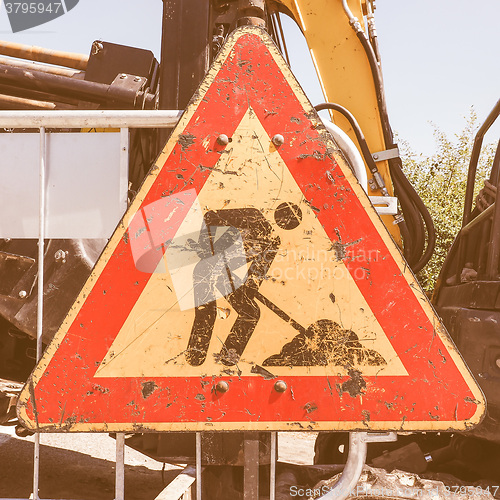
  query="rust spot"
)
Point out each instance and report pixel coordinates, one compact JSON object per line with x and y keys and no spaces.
{"x":340,"y":248}
{"x":148,"y":388}
{"x":311,"y":206}
{"x":442,"y":356}
{"x":200,"y":397}
{"x":310,"y":407}
{"x":354,"y":386}
{"x":471,"y":400}
{"x":186,"y":140}
{"x":102,"y":390}
{"x":230,"y":357}
{"x":316,"y":155}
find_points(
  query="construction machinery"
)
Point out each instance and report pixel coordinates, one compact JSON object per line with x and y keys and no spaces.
{"x":342,"y":40}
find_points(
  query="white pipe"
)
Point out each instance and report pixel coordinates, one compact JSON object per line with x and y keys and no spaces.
{"x":41,"y":241}
{"x":120,"y":467}
{"x":272,"y":472}
{"x":352,"y":470}
{"x":354,"y":21}
{"x":355,"y":461}
{"x":124,"y":164}
{"x":54,"y":70}
{"x":39,"y":312}
{"x":351,"y":152}
{"x":198,"y":466}
{"x":89,"y":119}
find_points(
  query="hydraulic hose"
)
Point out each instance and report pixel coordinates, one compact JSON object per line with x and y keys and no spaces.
{"x":396,"y":170}
{"x":363,"y":145}
{"x":409,"y":208}
{"x":414,"y":210}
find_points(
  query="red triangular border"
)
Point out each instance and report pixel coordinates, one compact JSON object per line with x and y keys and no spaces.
{"x":439,"y":392}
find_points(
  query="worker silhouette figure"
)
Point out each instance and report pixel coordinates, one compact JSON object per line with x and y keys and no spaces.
{"x":248,"y":238}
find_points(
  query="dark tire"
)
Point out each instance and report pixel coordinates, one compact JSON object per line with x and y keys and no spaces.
{"x":331,"y":448}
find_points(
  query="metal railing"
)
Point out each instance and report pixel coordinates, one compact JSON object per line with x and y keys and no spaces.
{"x":77,"y":119}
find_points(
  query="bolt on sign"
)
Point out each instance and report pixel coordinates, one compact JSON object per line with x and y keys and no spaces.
{"x":251,"y":285}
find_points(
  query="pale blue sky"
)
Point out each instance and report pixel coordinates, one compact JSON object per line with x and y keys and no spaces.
{"x":439,"y":57}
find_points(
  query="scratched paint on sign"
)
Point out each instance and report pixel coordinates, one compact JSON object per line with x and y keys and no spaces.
{"x":303,"y":277}
{"x":248,"y":263}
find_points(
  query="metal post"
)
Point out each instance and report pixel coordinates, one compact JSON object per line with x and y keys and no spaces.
{"x":186,"y":28}
{"x":251,"y":467}
{"x":252,"y":13}
{"x":120,"y":467}
{"x":39,"y":313}
{"x":198,"y":466}
{"x":272,"y":472}
{"x":124,"y":150}
{"x":355,"y":461}
{"x":41,"y":243}
{"x":494,"y":250}
{"x":36,"y":466}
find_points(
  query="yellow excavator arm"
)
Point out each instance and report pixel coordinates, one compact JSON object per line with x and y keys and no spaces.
{"x":339,"y":34}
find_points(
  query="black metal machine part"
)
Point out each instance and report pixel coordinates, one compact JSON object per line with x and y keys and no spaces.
{"x":467,"y":295}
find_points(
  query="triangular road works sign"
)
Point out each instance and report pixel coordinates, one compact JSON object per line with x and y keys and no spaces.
{"x":251,"y":285}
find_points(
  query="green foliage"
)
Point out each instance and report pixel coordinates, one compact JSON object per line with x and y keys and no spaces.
{"x":441,"y":180}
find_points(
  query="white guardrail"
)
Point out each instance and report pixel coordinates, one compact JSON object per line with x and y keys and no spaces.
{"x":123,"y":120}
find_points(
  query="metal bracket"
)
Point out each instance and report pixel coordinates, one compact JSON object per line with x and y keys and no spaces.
{"x":126,"y":88}
{"x":390,"y":204}
{"x":386,"y":155}
{"x":355,"y":461}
